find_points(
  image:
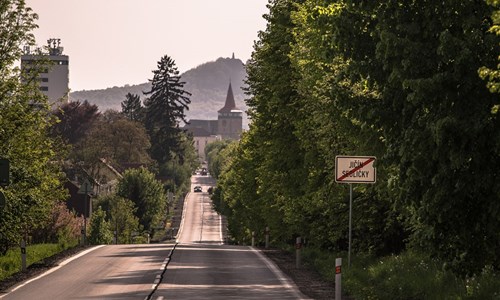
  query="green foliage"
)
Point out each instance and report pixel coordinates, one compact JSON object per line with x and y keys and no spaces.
{"x":99,"y":231}
{"x":214,"y":159}
{"x":147,"y":194}
{"x":25,"y":120}
{"x":409,"y":275}
{"x":177,"y":171}
{"x":11,"y":262}
{"x":397,"y":80}
{"x":17,"y":22}
{"x":120,"y":216}
{"x":406,"y":276}
{"x":492,"y":74}
{"x":132,"y":107}
{"x":114,"y":138}
{"x":165,"y":107}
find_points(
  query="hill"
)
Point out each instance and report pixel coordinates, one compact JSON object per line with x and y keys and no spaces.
{"x":208,"y":84}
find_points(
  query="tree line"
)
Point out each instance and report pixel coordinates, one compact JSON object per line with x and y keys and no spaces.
{"x":46,"y":146}
{"x":414,"y":83}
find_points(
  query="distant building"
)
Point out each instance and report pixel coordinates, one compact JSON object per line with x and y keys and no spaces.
{"x":54,"y":78}
{"x":230,"y":120}
{"x":228,"y":126}
{"x":201,"y":139}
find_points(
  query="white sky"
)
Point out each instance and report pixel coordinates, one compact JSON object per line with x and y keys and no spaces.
{"x":117,"y":42}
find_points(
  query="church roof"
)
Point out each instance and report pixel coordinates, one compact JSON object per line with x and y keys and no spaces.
{"x":230,"y":104}
{"x":198,"y":131}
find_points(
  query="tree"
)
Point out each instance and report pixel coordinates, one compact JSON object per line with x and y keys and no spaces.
{"x":121,"y":216}
{"x":132,"y":107}
{"x":63,"y":227}
{"x":165,"y":109}
{"x":178,"y":170}
{"x":17,"y":24}
{"x":35,"y":186}
{"x":493,"y":74}
{"x":147,"y":194}
{"x":409,"y":83}
{"x":99,"y":229}
{"x":214,"y":159}
{"x":75,"y":119}
{"x":115,"y":138}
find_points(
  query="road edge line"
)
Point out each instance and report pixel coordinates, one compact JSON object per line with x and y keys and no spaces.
{"x":282,"y":277}
{"x":63,"y":263}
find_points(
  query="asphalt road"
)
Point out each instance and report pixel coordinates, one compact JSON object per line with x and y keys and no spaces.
{"x":108,"y":272}
{"x":197,"y":266}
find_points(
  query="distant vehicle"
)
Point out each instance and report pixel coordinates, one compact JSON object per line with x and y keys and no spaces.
{"x":197,"y":189}
{"x":203,"y":171}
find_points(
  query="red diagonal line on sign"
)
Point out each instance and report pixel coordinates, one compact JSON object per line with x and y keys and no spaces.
{"x":355,"y":169}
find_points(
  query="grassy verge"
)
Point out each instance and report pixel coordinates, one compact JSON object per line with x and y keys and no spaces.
{"x":11,"y":262}
{"x":406,"y":276}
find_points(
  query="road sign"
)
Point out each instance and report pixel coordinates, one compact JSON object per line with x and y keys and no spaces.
{"x":355,"y":169}
{"x":85,"y":188}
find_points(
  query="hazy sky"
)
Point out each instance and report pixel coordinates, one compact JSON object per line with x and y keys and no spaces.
{"x":117,"y":42}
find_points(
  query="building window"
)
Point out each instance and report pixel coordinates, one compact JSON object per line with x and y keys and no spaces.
{"x":44,"y":88}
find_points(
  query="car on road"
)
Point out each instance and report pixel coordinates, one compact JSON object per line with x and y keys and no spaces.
{"x":198,"y":189}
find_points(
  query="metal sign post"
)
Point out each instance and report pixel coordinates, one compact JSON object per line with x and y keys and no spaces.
{"x":354,"y":169}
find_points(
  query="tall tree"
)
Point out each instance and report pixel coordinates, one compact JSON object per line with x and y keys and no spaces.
{"x":165,"y":107}
{"x":410,"y":69}
{"x":17,"y":23}
{"x":132,"y":107}
{"x":273,"y":109}
{"x":35,"y":185}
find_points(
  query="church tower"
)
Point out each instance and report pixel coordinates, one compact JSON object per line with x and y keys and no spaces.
{"x":230,"y":119}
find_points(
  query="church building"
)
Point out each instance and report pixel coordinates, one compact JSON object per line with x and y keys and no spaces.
{"x":228,"y":126}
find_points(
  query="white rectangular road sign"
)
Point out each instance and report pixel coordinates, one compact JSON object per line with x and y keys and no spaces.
{"x":355,"y":169}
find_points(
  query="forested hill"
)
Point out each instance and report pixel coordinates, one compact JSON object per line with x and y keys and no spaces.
{"x":208,"y":84}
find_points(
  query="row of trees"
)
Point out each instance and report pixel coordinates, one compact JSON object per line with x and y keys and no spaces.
{"x":43,"y":146}
{"x":397,"y":80}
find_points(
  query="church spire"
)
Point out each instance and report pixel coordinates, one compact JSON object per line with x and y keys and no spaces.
{"x":230,"y":104}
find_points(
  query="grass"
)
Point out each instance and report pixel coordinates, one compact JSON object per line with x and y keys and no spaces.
{"x":406,"y":276}
{"x":11,"y":262}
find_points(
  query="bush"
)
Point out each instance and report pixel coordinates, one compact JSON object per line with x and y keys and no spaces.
{"x":410,"y":275}
{"x":100,"y":230}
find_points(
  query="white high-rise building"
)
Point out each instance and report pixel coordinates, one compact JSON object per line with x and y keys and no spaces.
{"x":54,"y":79}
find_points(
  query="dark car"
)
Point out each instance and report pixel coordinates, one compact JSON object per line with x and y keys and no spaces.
{"x":197,"y":189}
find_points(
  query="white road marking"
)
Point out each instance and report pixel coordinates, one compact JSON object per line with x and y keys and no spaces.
{"x":54,"y":268}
